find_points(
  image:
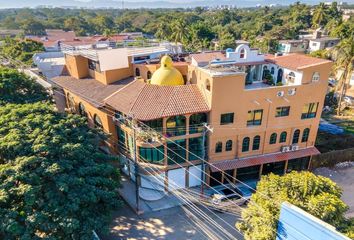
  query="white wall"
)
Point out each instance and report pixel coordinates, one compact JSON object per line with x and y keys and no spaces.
{"x":176,"y":179}
{"x":195,"y":174}
{"x":298,"y":77}
{"x":250,"y":55}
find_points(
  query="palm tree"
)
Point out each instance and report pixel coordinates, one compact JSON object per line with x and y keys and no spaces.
{"x":319,"y":15}
{"x":343,"y":53}
{"x":179,"y":30}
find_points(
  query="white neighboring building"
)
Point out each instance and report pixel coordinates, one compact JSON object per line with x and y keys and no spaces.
{"x":322,"y":43}
{"x":50,"y":64}
{"x":292,"y":46}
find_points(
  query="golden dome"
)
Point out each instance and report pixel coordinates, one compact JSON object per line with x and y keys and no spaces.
{"x":167,"y":75}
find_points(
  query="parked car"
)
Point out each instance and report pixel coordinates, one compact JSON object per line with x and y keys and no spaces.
{"x":332,"y":82}
{"x":223,"y":194}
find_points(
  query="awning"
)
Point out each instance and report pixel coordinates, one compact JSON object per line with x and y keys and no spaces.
{"x":262,"y":159}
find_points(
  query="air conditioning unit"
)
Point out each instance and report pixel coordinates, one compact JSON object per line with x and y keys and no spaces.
{"x":294,"y":147}
{"x":285,"y":149}
{"x":280,"y":93}
{"x":292,"y":91}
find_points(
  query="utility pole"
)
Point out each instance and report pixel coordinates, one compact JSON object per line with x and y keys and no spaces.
{"x":136,"y":169}
{"x":205,"y":130}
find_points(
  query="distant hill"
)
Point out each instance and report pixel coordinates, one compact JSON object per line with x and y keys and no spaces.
{"x":144,"y":3}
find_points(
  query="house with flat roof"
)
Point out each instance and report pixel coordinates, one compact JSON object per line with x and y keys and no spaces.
{"x":263,"y":110}
{"x":292,"y":46}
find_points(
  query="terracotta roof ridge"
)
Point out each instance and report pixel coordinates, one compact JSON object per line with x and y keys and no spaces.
{"x":136,"y":99}
{"x":174,"y":90}
{"x":120,"y":89}
{"x":315,"y":64}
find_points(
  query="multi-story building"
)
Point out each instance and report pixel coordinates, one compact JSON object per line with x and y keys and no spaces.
{"x":254,"y":113}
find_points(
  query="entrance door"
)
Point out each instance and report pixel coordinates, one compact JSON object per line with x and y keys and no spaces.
{"x":276,"y":168}
{"x":280,"y":76}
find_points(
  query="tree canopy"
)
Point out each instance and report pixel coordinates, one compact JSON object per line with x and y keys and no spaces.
{"x":16,"y":87}
{"x":55,"y":183}
{"x":21,"y":50}
{"x":315,"y":194}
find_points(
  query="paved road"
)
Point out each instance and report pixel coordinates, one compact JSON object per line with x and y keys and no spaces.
{"x":168,"y":224}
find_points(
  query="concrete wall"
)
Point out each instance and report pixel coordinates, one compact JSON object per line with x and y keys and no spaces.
{"x":295,"y":223}
{"x":77,"y":66}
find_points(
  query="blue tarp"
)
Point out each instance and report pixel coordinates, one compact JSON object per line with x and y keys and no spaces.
{"x":331,"y":128}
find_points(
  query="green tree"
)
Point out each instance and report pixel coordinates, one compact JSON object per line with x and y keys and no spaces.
{"x":343,"y":53}
{"x":21,"y":50}
{"x":101,"y":23}
{"x":319,"y":15}
{"x":54,"y":181}
{"x":33,"y":27}
{"x":16,"y":87}
{"x":315,"y":194}
{"x":179,"y":30}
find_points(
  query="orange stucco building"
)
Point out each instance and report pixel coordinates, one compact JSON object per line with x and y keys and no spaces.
{"x":254,"y":113}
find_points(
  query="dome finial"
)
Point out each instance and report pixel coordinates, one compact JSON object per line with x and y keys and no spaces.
{"x":167,"y":75}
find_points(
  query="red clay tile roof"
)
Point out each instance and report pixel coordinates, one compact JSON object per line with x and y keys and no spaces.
{"x":295,"y":61}
{"x":207,"y":57}
{"x":257,"y":160}
{"x":90,"y":89}
{"x":147,"y":102}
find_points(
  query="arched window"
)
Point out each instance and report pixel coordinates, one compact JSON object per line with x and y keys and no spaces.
{"x":296,"y":136}
{"x":71,"y":102}
{"x":305,"y":135}
{"x":82,"y":110}
{"x":207,"y":84}
{"x":265,"y":72}
{"x":283,"y":136}
{"x":272,"y":70}
{"x":316,"y":77}
{"x":228,"y":145}
{"x":176,"y":125}
{"x":218,"y":147}
{"x":273,"y":138}
{"x":148,"y":75}
{"x":137,"y":72}
{"x":291,"y":77}
{"x":242,"y":53}
{"x":196,"y":122}
{"x":246,"y":144}
{"x":256,"y":142}
{"x":97,"y":121}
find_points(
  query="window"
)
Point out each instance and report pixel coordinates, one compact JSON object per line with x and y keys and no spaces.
{"x":137,"y":72}
{"x":272,"y":70}
{"x":242,"y":54}
{"x":246,"y":144}
{"x":226,"y":118}
{"x":228,"y":145}
{"x":218,"y":147}
{"x":93,"y":65}
{"x":314,"y":44}
{"x":195,"y":148}
{"x":309,"y":110}
{"x":207,"y":84}
{"x":97,"y":121}
{"x":121,"y":139}
{"x":273,"y":138}
{"x":305,"y":135}
{"x":282,"y":111}
{"x":291,"y":77}
{"x":315,"y":77}
{"x":196,"y":122}
{"x":148,"y":75}
{"x":176,"y":151}
{"x":256,"y":142}
{"x":71,"y":102}
{"x":283,"y":136}
{"x":254,"y":117}
{"x":82,"y":110}
{"x":176,"y":125}
{"x":156,"y":124}
{"x":296,"y":136}
{"x":152,"y":155}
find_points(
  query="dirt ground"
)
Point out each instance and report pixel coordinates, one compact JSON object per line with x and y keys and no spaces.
{"x":343,"y":175}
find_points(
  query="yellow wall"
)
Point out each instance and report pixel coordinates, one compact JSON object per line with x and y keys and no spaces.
{"x":77,"y":66}
{"x":228,"y":94}
{"x":107,"y":122}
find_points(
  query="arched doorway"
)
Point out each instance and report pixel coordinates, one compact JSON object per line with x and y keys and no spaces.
{"x":280,"y":76}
